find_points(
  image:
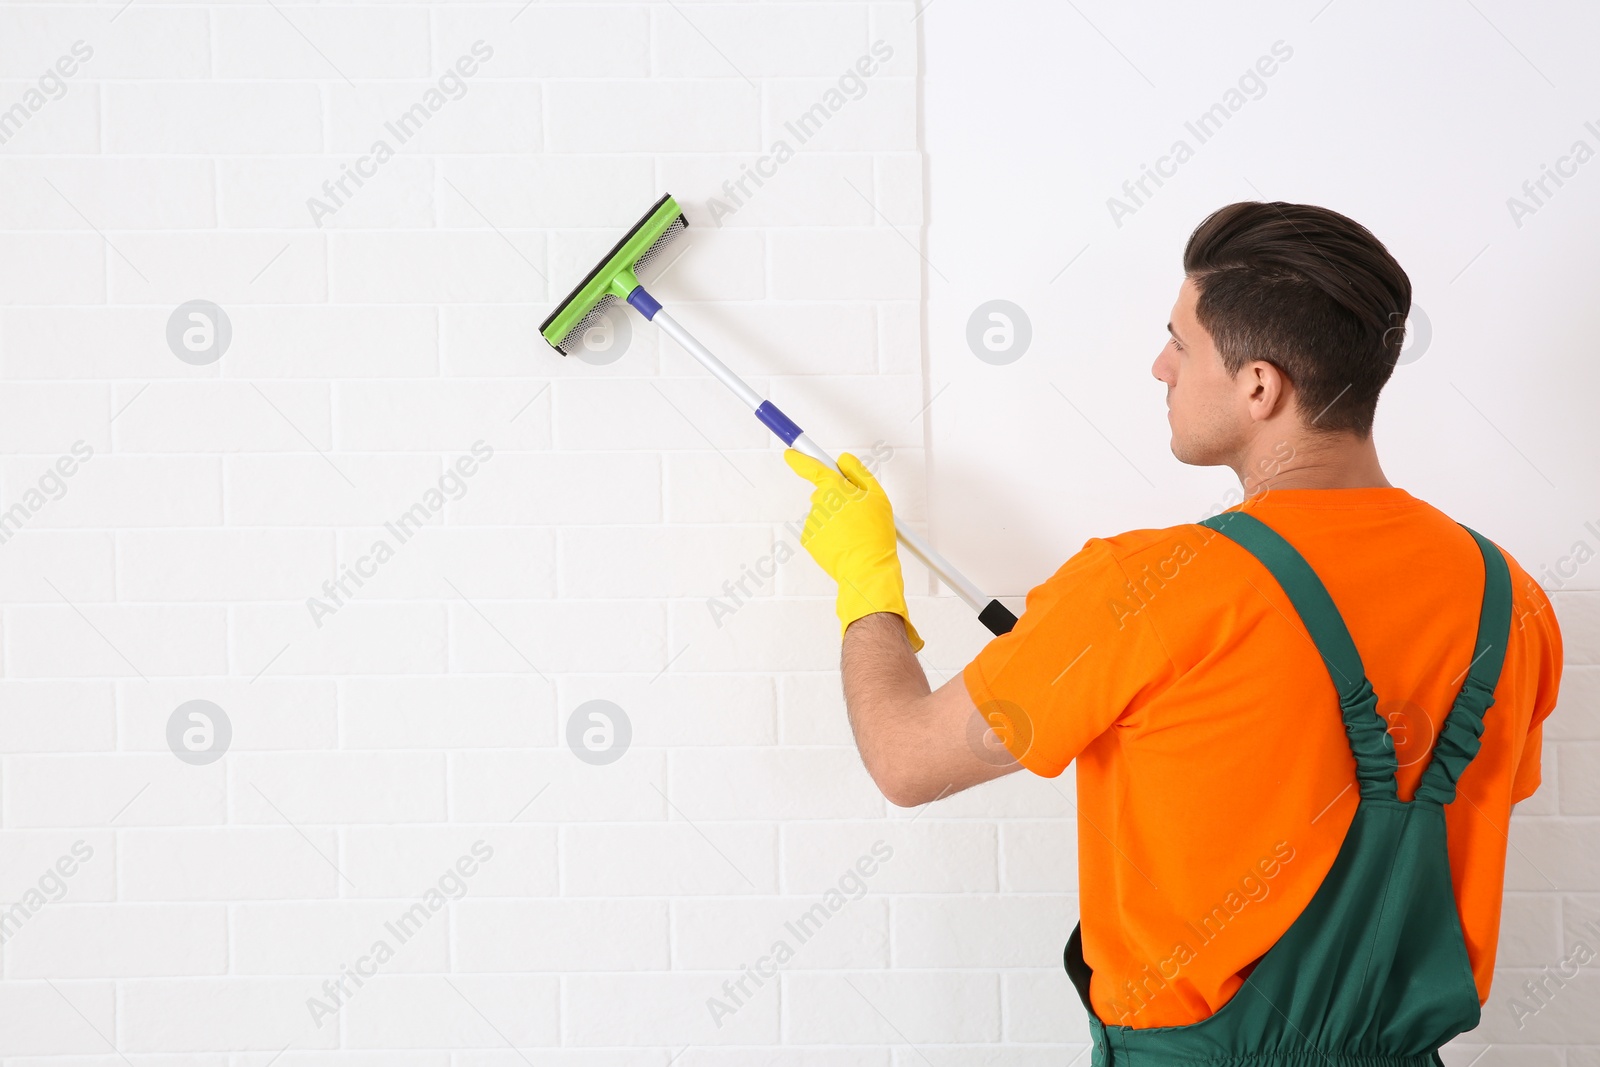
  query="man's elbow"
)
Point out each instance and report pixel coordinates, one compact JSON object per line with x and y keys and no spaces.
{"x":900,"y":784}
{"x":906,"y":796}
{"x":903,"y":757}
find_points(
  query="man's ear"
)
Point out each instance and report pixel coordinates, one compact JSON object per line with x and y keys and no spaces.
{"x":1267,"y":389}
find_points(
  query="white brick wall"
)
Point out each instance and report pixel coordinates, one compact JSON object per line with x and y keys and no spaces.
{"x":374,"y":747}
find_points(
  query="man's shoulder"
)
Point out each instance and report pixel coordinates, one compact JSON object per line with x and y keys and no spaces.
{"x":1118,"y":559}
{"x":1133,"y":549}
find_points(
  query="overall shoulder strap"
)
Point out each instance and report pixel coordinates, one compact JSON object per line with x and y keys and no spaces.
{"x":1370,"y":742}
{"x":1459,"y":739}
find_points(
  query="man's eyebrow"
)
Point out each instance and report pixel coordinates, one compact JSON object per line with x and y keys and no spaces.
{"x":1172,"y":331}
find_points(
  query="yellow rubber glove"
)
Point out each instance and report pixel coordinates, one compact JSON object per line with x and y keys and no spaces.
{"x":850,"y":533}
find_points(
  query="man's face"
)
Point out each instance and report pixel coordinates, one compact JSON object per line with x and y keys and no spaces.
{"x":1205,"y":408}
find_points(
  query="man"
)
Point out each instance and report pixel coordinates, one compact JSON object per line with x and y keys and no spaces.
{"x":1273,"y":713}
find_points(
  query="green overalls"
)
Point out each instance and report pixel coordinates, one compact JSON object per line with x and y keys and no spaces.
{"x":1374,"y":972}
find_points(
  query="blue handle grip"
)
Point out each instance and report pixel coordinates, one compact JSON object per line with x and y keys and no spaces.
{"x":778,"y":422}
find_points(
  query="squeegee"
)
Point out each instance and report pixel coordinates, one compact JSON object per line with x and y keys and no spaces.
{"x":616,"y":279}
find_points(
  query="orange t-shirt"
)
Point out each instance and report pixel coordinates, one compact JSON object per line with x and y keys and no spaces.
{"x":1215,"y":783}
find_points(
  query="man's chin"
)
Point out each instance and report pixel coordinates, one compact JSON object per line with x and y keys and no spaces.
{"x":1193,"y":454}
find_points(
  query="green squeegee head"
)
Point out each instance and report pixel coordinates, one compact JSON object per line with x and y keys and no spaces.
{"x":616,"y":276}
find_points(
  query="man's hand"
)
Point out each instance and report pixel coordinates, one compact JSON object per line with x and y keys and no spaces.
{"x":850,"y":533}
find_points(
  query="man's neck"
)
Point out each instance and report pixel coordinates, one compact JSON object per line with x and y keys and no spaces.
{"x":1308,"y":461}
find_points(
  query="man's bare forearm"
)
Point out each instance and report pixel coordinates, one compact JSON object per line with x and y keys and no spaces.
{"x":918,"y":744}
{"x":883,"y":681}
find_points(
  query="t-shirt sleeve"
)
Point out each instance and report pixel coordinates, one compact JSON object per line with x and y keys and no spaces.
{"x":1530,"y":774}
{"x":1531,"y":611}
{"x":1079,"y":655}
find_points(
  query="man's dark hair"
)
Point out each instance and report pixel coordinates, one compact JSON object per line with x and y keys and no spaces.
{"x":1309,"y":291}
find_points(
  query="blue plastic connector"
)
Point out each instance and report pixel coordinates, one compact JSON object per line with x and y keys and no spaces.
{"x":643,"y":302}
